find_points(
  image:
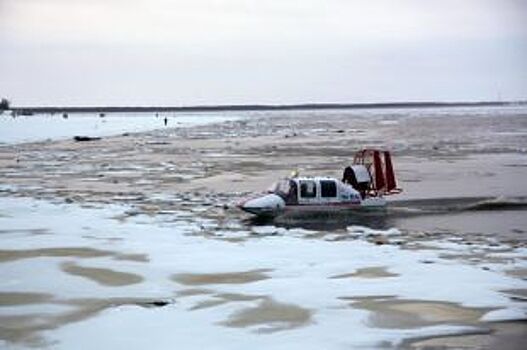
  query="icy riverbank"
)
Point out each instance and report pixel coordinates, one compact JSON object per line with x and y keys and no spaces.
{"x":70,"y":274}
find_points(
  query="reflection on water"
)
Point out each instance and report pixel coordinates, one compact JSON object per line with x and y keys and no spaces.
{"x":270,"y":316}
{"x":194,"y":279}
{"x":378,"y":220}
{"x":503,"y":217}
{"x":405,"y":314}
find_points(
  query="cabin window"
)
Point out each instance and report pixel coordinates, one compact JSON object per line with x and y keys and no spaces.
{"x":308,"y":189}
{"x":328,"y":188}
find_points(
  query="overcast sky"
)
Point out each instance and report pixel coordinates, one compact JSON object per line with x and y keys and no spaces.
{"x":188,"y":52}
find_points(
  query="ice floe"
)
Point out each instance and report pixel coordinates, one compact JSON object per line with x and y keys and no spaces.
{"x":276,"y":288}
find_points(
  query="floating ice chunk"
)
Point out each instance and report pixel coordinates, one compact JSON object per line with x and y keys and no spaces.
{"x":361,"y":231}
{"x":268,"y":230}
{"x":301,"y":232}
{"x":505,"y":314}
{"x":230,"y":234}
{"x":388,"y":122}
{"x":333,"y":237}
{"x":264,"y":230}
{"x":9,"y":188}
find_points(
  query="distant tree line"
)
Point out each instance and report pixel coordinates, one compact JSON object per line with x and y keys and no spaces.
{"x":4,"y":104}
{"x":216,"y":108}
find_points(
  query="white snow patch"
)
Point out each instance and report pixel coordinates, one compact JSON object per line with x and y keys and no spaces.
{"x":290,"y":269}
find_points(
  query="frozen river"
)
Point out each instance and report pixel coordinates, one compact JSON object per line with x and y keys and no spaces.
{"x":41,"y":127}
{"x":135,"y":241}
{"x":121,"y":280}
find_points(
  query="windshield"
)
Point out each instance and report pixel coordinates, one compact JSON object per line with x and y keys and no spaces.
{"x":280,"y":188}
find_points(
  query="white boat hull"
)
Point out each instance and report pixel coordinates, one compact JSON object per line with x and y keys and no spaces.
{"x":272,"y":205}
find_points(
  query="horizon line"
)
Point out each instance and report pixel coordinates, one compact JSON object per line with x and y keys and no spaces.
{"x":261,"y":107}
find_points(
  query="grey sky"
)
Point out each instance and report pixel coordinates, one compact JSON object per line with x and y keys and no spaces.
{"x":186,"y":52}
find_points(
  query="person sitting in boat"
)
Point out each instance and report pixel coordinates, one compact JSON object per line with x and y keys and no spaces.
{"x":358,"y":177}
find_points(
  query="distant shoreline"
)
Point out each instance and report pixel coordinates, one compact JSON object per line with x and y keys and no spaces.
{"x":260,"y":107}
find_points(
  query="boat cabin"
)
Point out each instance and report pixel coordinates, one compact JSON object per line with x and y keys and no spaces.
{"x":315,"y":190}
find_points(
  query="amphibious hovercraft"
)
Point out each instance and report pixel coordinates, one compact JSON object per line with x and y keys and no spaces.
{"x":364,"y":185}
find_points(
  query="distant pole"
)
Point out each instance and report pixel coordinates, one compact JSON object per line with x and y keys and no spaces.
{"x":498,"y":92}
